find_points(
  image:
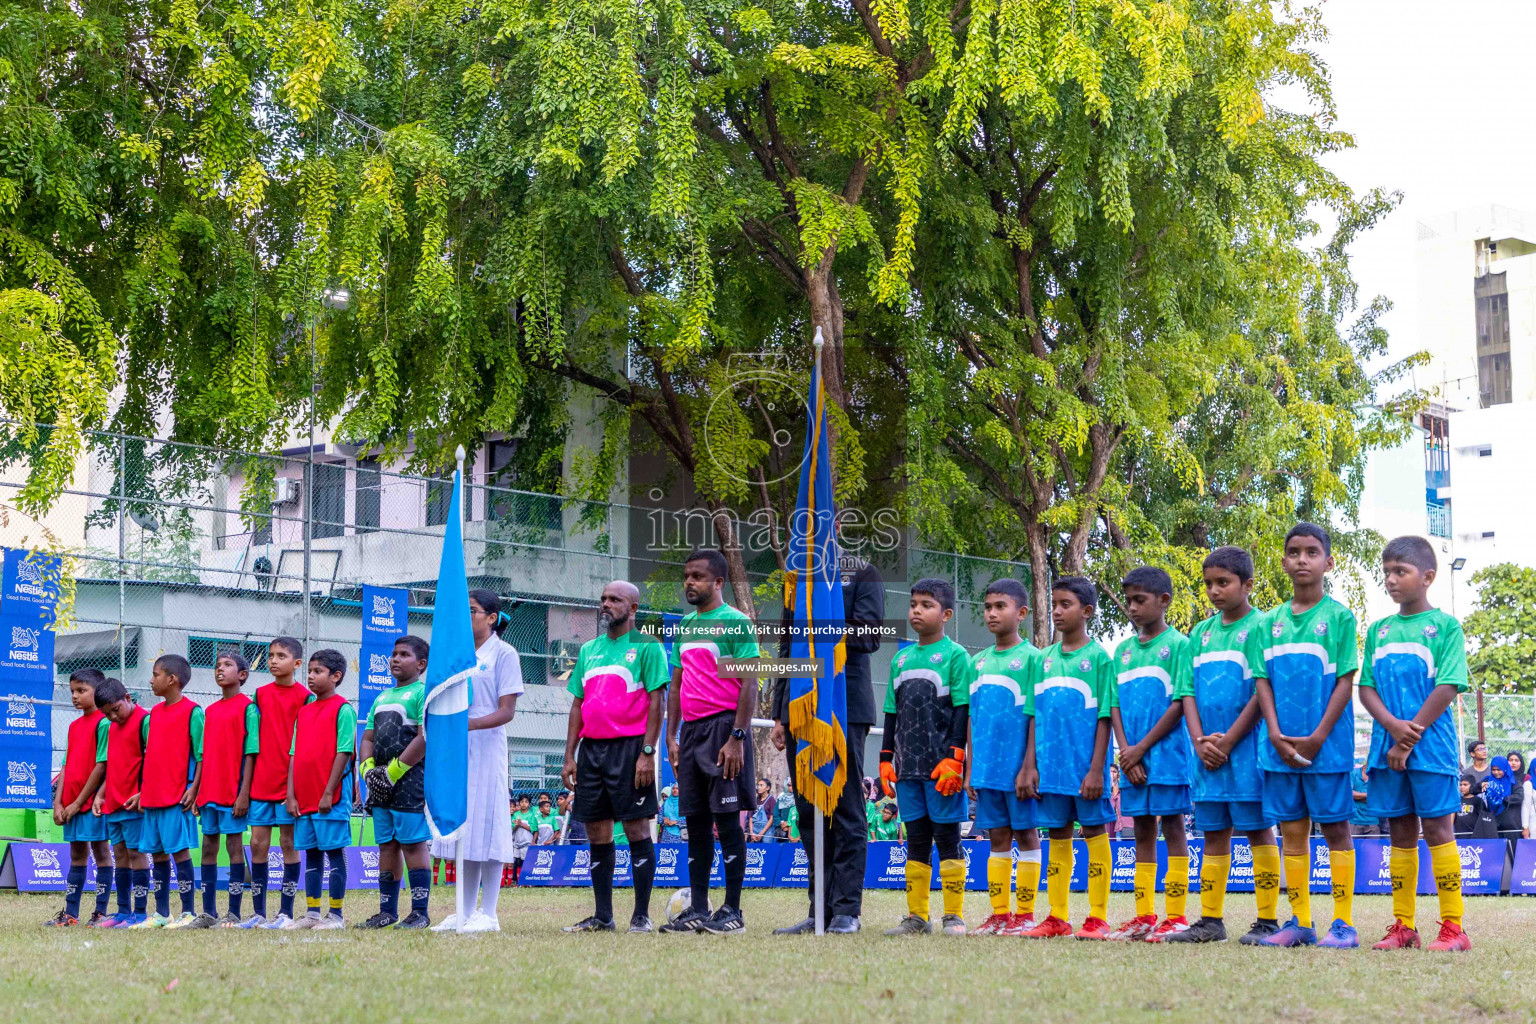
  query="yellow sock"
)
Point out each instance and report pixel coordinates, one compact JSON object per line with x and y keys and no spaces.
{"x":1213,"y":885}
{"x":336,"y":905}
{"x":1405,"y":880}
{"x":1445,"y":862}
{"x":1098,"y":876}
{"x":1058,"y":876}
{"x":1297,"y":890}
{"x":1026,"y":885}
{"x":1341,"y":865}
{"x":1266,"y":880}
{"x":312,"y":902}
{"x":1146,"y":881}
{"x":952,"y":878}
{"x":999,"y":877}
{"x":1176,"y":887}
{"x":919,"y":875}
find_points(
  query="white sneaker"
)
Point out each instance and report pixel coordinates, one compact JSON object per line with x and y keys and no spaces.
{"x":273,"y":924}
{"x":478,"y":922}
{"x":330,"y":922}
{"x":447,"y":924}
{"x":300,"y":923}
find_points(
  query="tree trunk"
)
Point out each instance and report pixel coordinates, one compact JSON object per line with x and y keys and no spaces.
{"x":1039,"y":583}
{"x":730,"y":546}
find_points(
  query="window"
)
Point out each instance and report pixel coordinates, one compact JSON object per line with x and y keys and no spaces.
{"x":439,"y":495}
{"x":1485,"y":452}
{"x":204,"y":651}
{"x":502,"y":504}
{"x":329,"y":504}
{"x":1494,"y":380}
{"x":261,"y":530}
{"x":366,"y":501}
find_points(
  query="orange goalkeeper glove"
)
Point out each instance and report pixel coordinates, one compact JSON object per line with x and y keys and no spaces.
{"x":949,"y":776}
{"x":888,"y":778}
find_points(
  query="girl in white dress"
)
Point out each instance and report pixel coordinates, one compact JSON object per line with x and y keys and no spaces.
{"x":487,"y":834}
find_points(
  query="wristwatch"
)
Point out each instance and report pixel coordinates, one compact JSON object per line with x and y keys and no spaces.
{"x":648,"y":750}
{"x":738,"y":734}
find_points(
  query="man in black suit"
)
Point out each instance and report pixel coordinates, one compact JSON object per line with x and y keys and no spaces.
{"x":847,"y":830}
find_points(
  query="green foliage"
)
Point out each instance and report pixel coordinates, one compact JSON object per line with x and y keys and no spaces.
{"x":1501,"y":632}
{"x":1065,"y":256}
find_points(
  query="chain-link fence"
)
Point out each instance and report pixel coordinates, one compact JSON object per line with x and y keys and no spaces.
{"x":183,"y":549}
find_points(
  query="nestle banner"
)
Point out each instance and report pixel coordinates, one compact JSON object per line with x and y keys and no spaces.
{"x":1482,"y":867}
{"x":1522,"y":876}
{"x":41,"y":867}
{"x":29,"y":589}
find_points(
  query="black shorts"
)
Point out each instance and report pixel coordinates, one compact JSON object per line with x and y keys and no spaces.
{"x":701,"y":788}
{"x":605,"y":781}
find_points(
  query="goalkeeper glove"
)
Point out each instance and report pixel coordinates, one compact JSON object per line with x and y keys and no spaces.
{"x":887,"y":774}
{"x":397,"y":769}
{"x":365,"y":767}
{"x":950,"y":774}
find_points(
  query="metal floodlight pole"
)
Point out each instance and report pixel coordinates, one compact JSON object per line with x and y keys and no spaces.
{"x":309,"y":477}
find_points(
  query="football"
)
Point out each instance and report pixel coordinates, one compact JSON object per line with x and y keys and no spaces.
{"x":680,"y":901}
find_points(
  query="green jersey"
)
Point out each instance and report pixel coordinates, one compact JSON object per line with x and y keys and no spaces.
{"x":1406,"y":657}
{"x":1076,"y":689}
{"x":395,"y":719}
{"x":881,"y":830}
{"x":1002,"y":680}
{"x":1144,"y":671}
{"x":929,"y":681}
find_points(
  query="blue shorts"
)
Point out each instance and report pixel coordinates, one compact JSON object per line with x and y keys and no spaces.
{"x":1325,"y":798}
{"x":1393,"y":794}
{"x":1001,"y":808}
{"x":220,"y":820}
{"x":404,"y":827}
{"x":1058,"y":810}
{"x":85,"y":827}
{"x":124,"y":828}
{"x":268,"y":812}
{"x":1154,"y":800}
{"x":167,"y":830}
{"x":1219,"y":815}
{"x":330,"y":831}
{"x":917,"y":799}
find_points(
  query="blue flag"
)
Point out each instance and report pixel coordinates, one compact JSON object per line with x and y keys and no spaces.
{"x":813,"y":590}
{"x":446,"y":730}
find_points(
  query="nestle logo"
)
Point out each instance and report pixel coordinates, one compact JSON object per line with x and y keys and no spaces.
{"x":44,"y":858}
{"x":370,"y":859}
{"x":21,"y":771}
{"x":29,"y":572}
{"x":24,"y":638}
{"x":545,"y":858}
{"x":1126,"y":857}
{"x":667,"y":858}
{"x":383,"y":606}
{"x":378,"y":664}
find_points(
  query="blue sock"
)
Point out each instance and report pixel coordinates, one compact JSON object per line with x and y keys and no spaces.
{"x":259,"y":888}
{"x":103,"y":887}
{"x":389,"y":894}
{"x":184,"y":883}
{"x":140,"y":890}
{"x":236,"y":884}
{"x":73,"y":883}
{"x":123,"y":876}
{"x":338,"y":880}
{"x":312,"y":871}
{"x":210,"y":885}
{"x":291,"y":887}
{"x":421,"y":888}
{"x":162,"y":870}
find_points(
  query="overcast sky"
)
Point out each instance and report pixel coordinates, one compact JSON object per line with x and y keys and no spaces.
{"x":1438,"y":97}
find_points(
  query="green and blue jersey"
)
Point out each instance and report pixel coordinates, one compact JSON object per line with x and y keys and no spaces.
{"x":1072,"y":692}
{"x":1003,"y":679}
{"x":1304,"y":657}
{"x":1217,"y":670}
{"x":1144,"y":689}
{"x":1406,"y":657}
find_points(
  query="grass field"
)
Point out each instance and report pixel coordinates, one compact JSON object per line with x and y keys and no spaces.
{"x":532,"y":972}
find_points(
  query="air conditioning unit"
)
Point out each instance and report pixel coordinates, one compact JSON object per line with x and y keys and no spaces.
{"x":285,"y":490}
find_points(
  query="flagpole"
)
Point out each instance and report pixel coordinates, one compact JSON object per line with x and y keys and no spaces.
{"x":458,"y":844}
{"x":821,"y":834}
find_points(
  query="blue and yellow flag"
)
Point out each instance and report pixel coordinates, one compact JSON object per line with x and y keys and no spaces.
{"x":813,"y":588}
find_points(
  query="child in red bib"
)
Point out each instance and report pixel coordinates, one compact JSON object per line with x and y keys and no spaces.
{"x":172,"y":769}
{"x":231,"y":738}
{"x":277,"y":708}
{"x":117,"y":800}
{"x":319,"y":786}
{"x":85,"y":766}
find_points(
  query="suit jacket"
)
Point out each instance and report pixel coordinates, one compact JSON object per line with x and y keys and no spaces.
{"x":863,"y":604}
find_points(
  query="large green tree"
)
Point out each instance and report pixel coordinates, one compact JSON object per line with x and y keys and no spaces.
{"x":1501,"y":631}
{"x":1063,"y":254}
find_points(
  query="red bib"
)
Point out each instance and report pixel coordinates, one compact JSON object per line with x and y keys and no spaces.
{"x":223,"y":750}
{"x":279,"y":707}
{"x":168,"y":756}
{"x":125,"y":761}
{"x":79,"y":756}
{"x":314,"y":751}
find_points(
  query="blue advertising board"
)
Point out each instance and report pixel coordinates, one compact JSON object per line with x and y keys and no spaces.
{"x":41,"y":867}
{"x":29,"y":588}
